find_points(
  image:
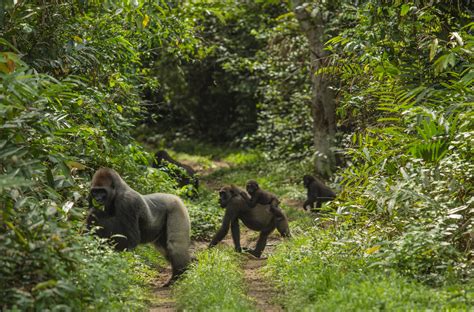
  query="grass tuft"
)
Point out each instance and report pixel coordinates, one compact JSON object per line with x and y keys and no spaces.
{"x":214,"y":283}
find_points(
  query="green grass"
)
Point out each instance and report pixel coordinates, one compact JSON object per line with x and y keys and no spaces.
{"x":318,"y":272}
{"x":214,"y":283}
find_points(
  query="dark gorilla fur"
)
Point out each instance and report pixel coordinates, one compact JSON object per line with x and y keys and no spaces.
{"x":161,"y":219}
{"x":260,"y":196}
{"x":317,"y":192}
{"x":258,"y":218}
{"x":183,"y":180}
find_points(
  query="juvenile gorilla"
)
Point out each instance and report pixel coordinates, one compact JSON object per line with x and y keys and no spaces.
{"x":260,"y":196}
{"x":258,"y":218}
{"x":317,"y":192}
{"x":161,"y":219}
{"x":182,"y":179}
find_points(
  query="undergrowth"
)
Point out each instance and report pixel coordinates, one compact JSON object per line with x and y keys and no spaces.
{"x":320,"y":270}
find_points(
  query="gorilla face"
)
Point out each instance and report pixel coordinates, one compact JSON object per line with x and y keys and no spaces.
{"x":102,"y":195}
{"x":224,"y":197}
{"x":252,"y":187}
{"x":226,"y":194}
{"x":307,"y":179}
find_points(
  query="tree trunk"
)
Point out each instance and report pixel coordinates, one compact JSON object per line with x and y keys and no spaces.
{"x":323,"y":106}
{"x":2,"y":13}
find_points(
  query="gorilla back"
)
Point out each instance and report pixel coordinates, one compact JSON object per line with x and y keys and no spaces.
{"x":161,"y":219}
{"x":258,"y":219}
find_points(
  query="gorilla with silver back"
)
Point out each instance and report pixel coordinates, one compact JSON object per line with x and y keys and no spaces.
{"x":161,"y":219}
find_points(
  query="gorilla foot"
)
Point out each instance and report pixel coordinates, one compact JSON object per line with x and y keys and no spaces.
{"x":253,"y":252}
{"x":171,"y":281}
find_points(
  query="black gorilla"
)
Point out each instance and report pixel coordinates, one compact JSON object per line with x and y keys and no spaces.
{"x":181,"y":178}
{"x":258,"y":218}
{"x":317,"y":192}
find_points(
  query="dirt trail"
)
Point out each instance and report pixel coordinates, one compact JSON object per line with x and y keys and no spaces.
{"x":258,"y":287}
{"x":162,"y":297}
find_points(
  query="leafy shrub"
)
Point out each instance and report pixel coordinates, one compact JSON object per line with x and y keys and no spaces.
{"x":411,"y":157}
{"x":44,"y":263}
{"x":206,"y":215}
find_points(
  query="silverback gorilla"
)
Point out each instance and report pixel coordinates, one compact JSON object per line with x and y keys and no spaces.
{"x":161,"y":219}
{"x":258,"y":218}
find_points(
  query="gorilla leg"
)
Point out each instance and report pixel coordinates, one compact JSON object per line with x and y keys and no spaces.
{"x":177,"y":245}
{"x":160,"y":245}
{"x":281,"y":222}
{"x":261,"y":243}
{"x":283,"y":227}
{"x":179,"y":257}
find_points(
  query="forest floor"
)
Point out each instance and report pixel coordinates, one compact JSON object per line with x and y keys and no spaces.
{"x":259,"y":288}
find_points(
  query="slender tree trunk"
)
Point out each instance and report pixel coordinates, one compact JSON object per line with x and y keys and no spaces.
{"x":323,"y":106}
{"x":2,"y":13}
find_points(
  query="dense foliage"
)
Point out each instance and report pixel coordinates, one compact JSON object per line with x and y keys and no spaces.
{"x":77,"y":77}
{"x":214,"y":95}
{"x":412,"y":165}
{"x":70,"y":76}
{"x":327,"y":271}
{"x":406,"y":88}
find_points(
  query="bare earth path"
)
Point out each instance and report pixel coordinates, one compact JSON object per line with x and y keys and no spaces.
{"x":258,"y":287}
{"x":163,"y":296}
{"x":163,"y":299}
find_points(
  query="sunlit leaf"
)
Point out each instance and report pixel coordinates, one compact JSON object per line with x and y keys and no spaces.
{"x":77,"y":39}
{"x":74,"y":164}
{"x":146,"y":20}
{"x":404,"y":9}
{"x":433,"y":48}
{"x":373,"y":249}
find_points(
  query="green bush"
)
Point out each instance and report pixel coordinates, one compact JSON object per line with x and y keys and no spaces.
{"x":45,"y":261}
{"x":410,"y":158}
{"x":206,"y":215}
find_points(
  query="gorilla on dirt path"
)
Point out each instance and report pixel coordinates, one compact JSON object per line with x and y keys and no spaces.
{"x":258,"y":219}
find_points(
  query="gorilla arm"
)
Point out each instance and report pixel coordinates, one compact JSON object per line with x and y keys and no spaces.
{"x":230,"y":220}
{"x":256,"y":198}
{"x":124,"y":224}
{"x":311,"y":198}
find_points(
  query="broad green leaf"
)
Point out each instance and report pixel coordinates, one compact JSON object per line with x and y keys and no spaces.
{"x":404,"y":10}
{"x":74,"y":164}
